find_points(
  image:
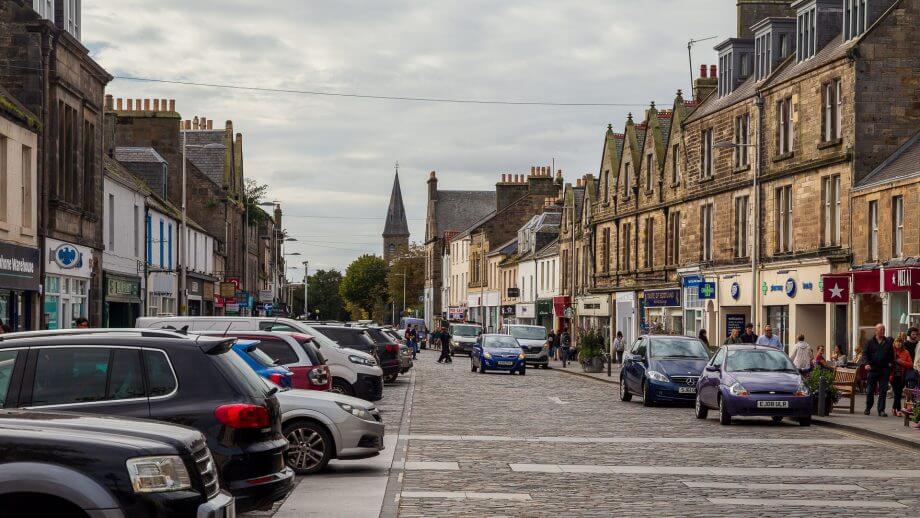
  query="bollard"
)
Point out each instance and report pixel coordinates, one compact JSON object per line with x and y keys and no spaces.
{"x":609,"y":365}
{"x":822,"y":395}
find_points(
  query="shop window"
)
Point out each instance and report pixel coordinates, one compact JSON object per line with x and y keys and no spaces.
{"x":778,"y":319}
{"x":898,"y":313}
{"x":870,"y":314}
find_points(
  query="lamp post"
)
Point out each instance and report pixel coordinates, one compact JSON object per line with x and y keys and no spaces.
{"x":291,"y":291}
{"x":306,"y":289}
{"x":183,"y":234}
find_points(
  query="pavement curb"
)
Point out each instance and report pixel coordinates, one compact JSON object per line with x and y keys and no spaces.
{"x":612,"y":380}
{"x":867,"y":433}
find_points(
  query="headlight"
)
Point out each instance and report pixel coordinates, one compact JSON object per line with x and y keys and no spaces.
{"x":454,"y":343}
{"x":487,"y":356}
{"x":738,"y":389}
{"x":802,"y":391}
{"x":158,"y":474}
{"x":360,"y":413}
{"x":362,"y":361}
{"x":657,"y":376}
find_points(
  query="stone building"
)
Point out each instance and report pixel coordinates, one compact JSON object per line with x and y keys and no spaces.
{"x":54,"y":77}
{"x":396,"y":229}
{"x":570,"y":240}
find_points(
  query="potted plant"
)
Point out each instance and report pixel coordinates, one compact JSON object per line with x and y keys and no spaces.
{"x":591,"y":351}
{"x":915,"y":417}
{"x":813,"y":382}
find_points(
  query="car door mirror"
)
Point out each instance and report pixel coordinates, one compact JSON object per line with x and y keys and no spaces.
{"x":712,"y":368}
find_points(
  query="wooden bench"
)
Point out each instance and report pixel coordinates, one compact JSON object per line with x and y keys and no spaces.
{"x":845,"y":383}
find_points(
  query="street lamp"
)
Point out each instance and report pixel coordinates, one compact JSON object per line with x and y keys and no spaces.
{"x":755,"y":247}
{"x":306,"y":289}
{"x":183,"y":245}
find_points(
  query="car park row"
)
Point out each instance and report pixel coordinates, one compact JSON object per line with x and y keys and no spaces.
{"x":205,"y":416}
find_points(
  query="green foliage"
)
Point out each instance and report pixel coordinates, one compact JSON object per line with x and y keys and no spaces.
{"x":254,"y":195}
{"x":364,"y":286}
{"x":412,"y":264}
{"x":915,"y":416}
{"x":813,"y":382}
{"x":590,"y":344}
{"x":325,"y":298}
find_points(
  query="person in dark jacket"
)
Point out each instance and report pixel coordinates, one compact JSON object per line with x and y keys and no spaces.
{"x":565,"y":343}
{"x":878,"y":357}
{"x":749,"y":336}
{"x":444,"y":337}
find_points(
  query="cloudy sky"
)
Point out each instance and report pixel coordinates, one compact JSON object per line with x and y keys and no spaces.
{"x":329,"y":160}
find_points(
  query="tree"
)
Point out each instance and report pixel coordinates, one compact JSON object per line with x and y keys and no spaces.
{"x":325,"y":299}
{"x":364,"y":286}
{"x":254,"y":193}
{"x":412,"y":264}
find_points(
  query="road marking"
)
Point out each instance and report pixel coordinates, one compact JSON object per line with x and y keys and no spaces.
{"x":558,"y":401}
{"x":776,"y":487}
{"x":467,"y":495}
{"x":431,"y":466}
{"x":714,"y":441}
{"x":716,"y":471}
{"x":773,"y":502}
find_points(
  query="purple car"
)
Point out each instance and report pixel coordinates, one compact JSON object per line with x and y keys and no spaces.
{"x":750,"y":380}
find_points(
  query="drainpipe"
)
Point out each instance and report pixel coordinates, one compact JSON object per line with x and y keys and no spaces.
{"x":755,"y":250}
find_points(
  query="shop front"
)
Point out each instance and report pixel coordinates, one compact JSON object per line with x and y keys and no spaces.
{"x":626,"y":315}
{"x":20,"y":278}
{"x":162,"y":288}
{"x":122,"y":300}
{"x":508,"y":313}
{"x":526,"y":314}
{"x":200,"y":294}
{"x":491,"y":301}
{"x":695,"y":310}
{"x":793,"y":304}
{"x":735,"y":294}
{"x":562,"y":308}
{"x":68,"y":273}
{"x":662,"y":311}
{"x":545,"y":313}
{"x":594,"y":313}
{"x":476,"y":311}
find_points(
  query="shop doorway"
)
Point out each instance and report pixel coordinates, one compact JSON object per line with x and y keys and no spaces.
{"x":122,"y":315}
{"x":778,"y":319}
{"x":810,"y":320}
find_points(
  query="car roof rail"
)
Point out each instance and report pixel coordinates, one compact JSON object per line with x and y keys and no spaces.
{"x":51,"y":333}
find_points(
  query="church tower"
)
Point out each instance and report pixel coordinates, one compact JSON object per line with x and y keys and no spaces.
{"x":396,"y":231}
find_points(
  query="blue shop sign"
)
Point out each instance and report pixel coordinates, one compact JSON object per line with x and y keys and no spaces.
{"x":662,"y":298}
{"x":706,"y":290}
{"x":736,"y":290}
{"x":691,"y":281}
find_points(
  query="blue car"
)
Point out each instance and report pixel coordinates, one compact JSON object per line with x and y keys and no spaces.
{"x":498,"y":353}
{"x":663,"y":368}
{"x":263,"y":364}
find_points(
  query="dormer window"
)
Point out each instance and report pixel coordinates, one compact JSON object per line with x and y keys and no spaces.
{"x":734,"y":63}
{"x":725,"y":74}
{"x":772,"y":38}
{"x":44,"y":8}
{"x":855,"y":18}
{"x":807,"y":36}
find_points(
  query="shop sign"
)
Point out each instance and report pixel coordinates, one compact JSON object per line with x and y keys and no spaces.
{"x":736,"y":291}
{"x":662,"y":298}
{"x":218,"y":301}
{"x":569,"y":312}
{"x":514,"y":293}
{"x":227,"y":289}
{"x":544,"y":308}
{"x":455,"y":313}
{"x":526,"y":310}
{"x":115,"y":287}
{"x":706,"y":290}
{"x":509,"y":311}
{"x":897,"y":279}
{"x":691,"y":281}
{"x":195,"y":287}
{"x":734,"y":321}
{"x":68,"y":259}
{"x":836,"y":288}
{"x":867,"y":281}
{"x":19,"y":267}
{"x":915,"y":283}
{"x":232,"y":308}
{"x":790,"y":287}
{"x":266,"y":296}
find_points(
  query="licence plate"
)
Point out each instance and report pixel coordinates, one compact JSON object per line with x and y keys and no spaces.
{"x":506,"y":363}
{"x":772,"y":404}
{"x":686,"y":390}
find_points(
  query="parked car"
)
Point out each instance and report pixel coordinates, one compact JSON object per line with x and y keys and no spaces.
{"x":498,"y":352}
{"x":295,"y":351}
{"x":662,"y":368}
{"x":747,"y":380}
{"x":162,"y":375}
{"x":354,"y":373}
{"x":368,"y":340}
{"x":463,"y":338}
{"x":321,"y":426}
{"x":263,"y":364}
{"x":533,"y":341}
{"x":405,"y":359}
{"x":68,"y":464}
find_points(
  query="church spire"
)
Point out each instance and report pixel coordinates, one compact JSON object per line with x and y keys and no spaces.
{"x":396,"y":230}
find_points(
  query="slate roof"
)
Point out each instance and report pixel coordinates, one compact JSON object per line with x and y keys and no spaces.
{"x":665,"y":124}
{"x":579,"y":193}
{"x":835,"y":49}
{"x":396,"y":224}
{"x":209,"y":161}
{"x":459,"y":210}
{"x":641,"y":133}
{"x":549,"y":250}
{"x":507,"y":248}
{"x":11,"y":107}
{"x":714,"y":103}
{"x":138,"y":155}
{"x":903,"y":163}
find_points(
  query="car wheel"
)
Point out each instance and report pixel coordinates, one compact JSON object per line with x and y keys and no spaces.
{"x":624,"y":392}
{"x":724,"y":417}
{"x":310,"y":447}
{"x":646,"y":398}
{"x":777,"y":419}
{"x":482,"y":368}
{"x":341,"y":386}
{"x":701,"y":411}
{"x":805,"y":421}
{"x":391,"y":378}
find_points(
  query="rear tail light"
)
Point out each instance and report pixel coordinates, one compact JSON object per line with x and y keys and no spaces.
{"x":392,"y":348}
{"x":276,"y":378}
{"x":243,"y":416}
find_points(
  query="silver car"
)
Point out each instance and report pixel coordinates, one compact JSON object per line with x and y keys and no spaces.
{"x":533,"y":341}
{"x":321,"y":426}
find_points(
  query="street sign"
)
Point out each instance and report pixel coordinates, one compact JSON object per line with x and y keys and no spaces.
{"x":706,"y":290}
{"x":514,"y":293}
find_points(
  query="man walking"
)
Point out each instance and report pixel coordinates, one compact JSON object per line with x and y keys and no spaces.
{"x":734,"y":338}
{"x":551,"y":340}
{"x":565,"y":341}
{"x":878,"y":356}
{"x":444,"y":337}
{"x":769,"y":339}
{"x":619,"y":344}
{"x":749,"y":337}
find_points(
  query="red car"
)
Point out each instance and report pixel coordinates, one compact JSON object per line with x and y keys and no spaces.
{"x":294,"y":351}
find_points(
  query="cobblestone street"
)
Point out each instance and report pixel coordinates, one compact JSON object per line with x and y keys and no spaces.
{"x":549,"y":443}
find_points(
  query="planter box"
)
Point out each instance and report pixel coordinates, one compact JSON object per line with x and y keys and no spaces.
{"x":593,"y":365}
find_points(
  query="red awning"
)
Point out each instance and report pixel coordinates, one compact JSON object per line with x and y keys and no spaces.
{"x":867,"y":281}
{"x":898,"y":279}
{"x":559,"y":305}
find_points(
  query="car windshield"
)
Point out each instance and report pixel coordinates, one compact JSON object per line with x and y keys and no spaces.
{"x":529,"y":333}
{"x":464,"y":330}
{"x":500,"y":341}
{"x":321,"y":339}
{"x":678,"y":348}
{"x":260,"y":356}
{"x":758,"y":360}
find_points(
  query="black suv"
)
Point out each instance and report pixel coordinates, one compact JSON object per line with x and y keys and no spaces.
{"x":63,"y":464}
{"x":370,"y":341}
{"x":162,"y":375}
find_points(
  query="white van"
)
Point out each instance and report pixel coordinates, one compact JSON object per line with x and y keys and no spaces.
{"x":533,"y":340}
{"x":354,"y":373}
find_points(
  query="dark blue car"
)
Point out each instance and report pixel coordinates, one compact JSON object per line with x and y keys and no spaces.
{"x":263,"y":364}
{"x":662,"y":368}
{"x":499,"y":353}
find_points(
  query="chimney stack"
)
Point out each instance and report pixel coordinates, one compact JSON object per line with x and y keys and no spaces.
{"x":119,"y":104}
{"x":109,"y":102}
{"x":704,"y":85}
{"x":146,"y":105}
{"x":195,"y":123}
{"x":703,"y":71}
{"x":172,"y":105}
{"x":712,"y":72}
{"x":156,"y":105}
{"x":130,"y":105}
{"x":504,"y":177}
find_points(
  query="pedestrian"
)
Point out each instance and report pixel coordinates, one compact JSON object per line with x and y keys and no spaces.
{"x":551,"y":340}
{"x":704,"y":337}
{"x":749,"y":336}
{"x":565,"y":342}
{"x":619,"y":344}
{"x":910,"y":344}
{"x":840,"y":356}
{"x":81,"y":323}
{"x":412,"y":338}
{"x":734,"y":338}
{"x":801,"y":353}
{"x":878,"y":357}
{"x":768,"y":338}
{"x":444,"y":338}
{"x":901,"y":366}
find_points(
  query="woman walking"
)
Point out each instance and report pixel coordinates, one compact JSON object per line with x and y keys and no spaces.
{"x":902,"y":364}
{"x":802,"y":355}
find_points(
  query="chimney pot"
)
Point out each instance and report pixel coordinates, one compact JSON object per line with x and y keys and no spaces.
{"x":156,"y":105}
{"x":533,"y":170}
{"x":712,"y":72}
{"x":119,"y":104}
{"x":504,"y":177}
{"x":109,"y":101}
{"x":703,"y":71}
{"x":163,"y":104}
{"x":195,"y":122}
{"x":146,"y":105}
{"x":137,"y":104}
{"x":210,"y":124}
{"x":130,"y":105}
{"x":172,"y":105}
